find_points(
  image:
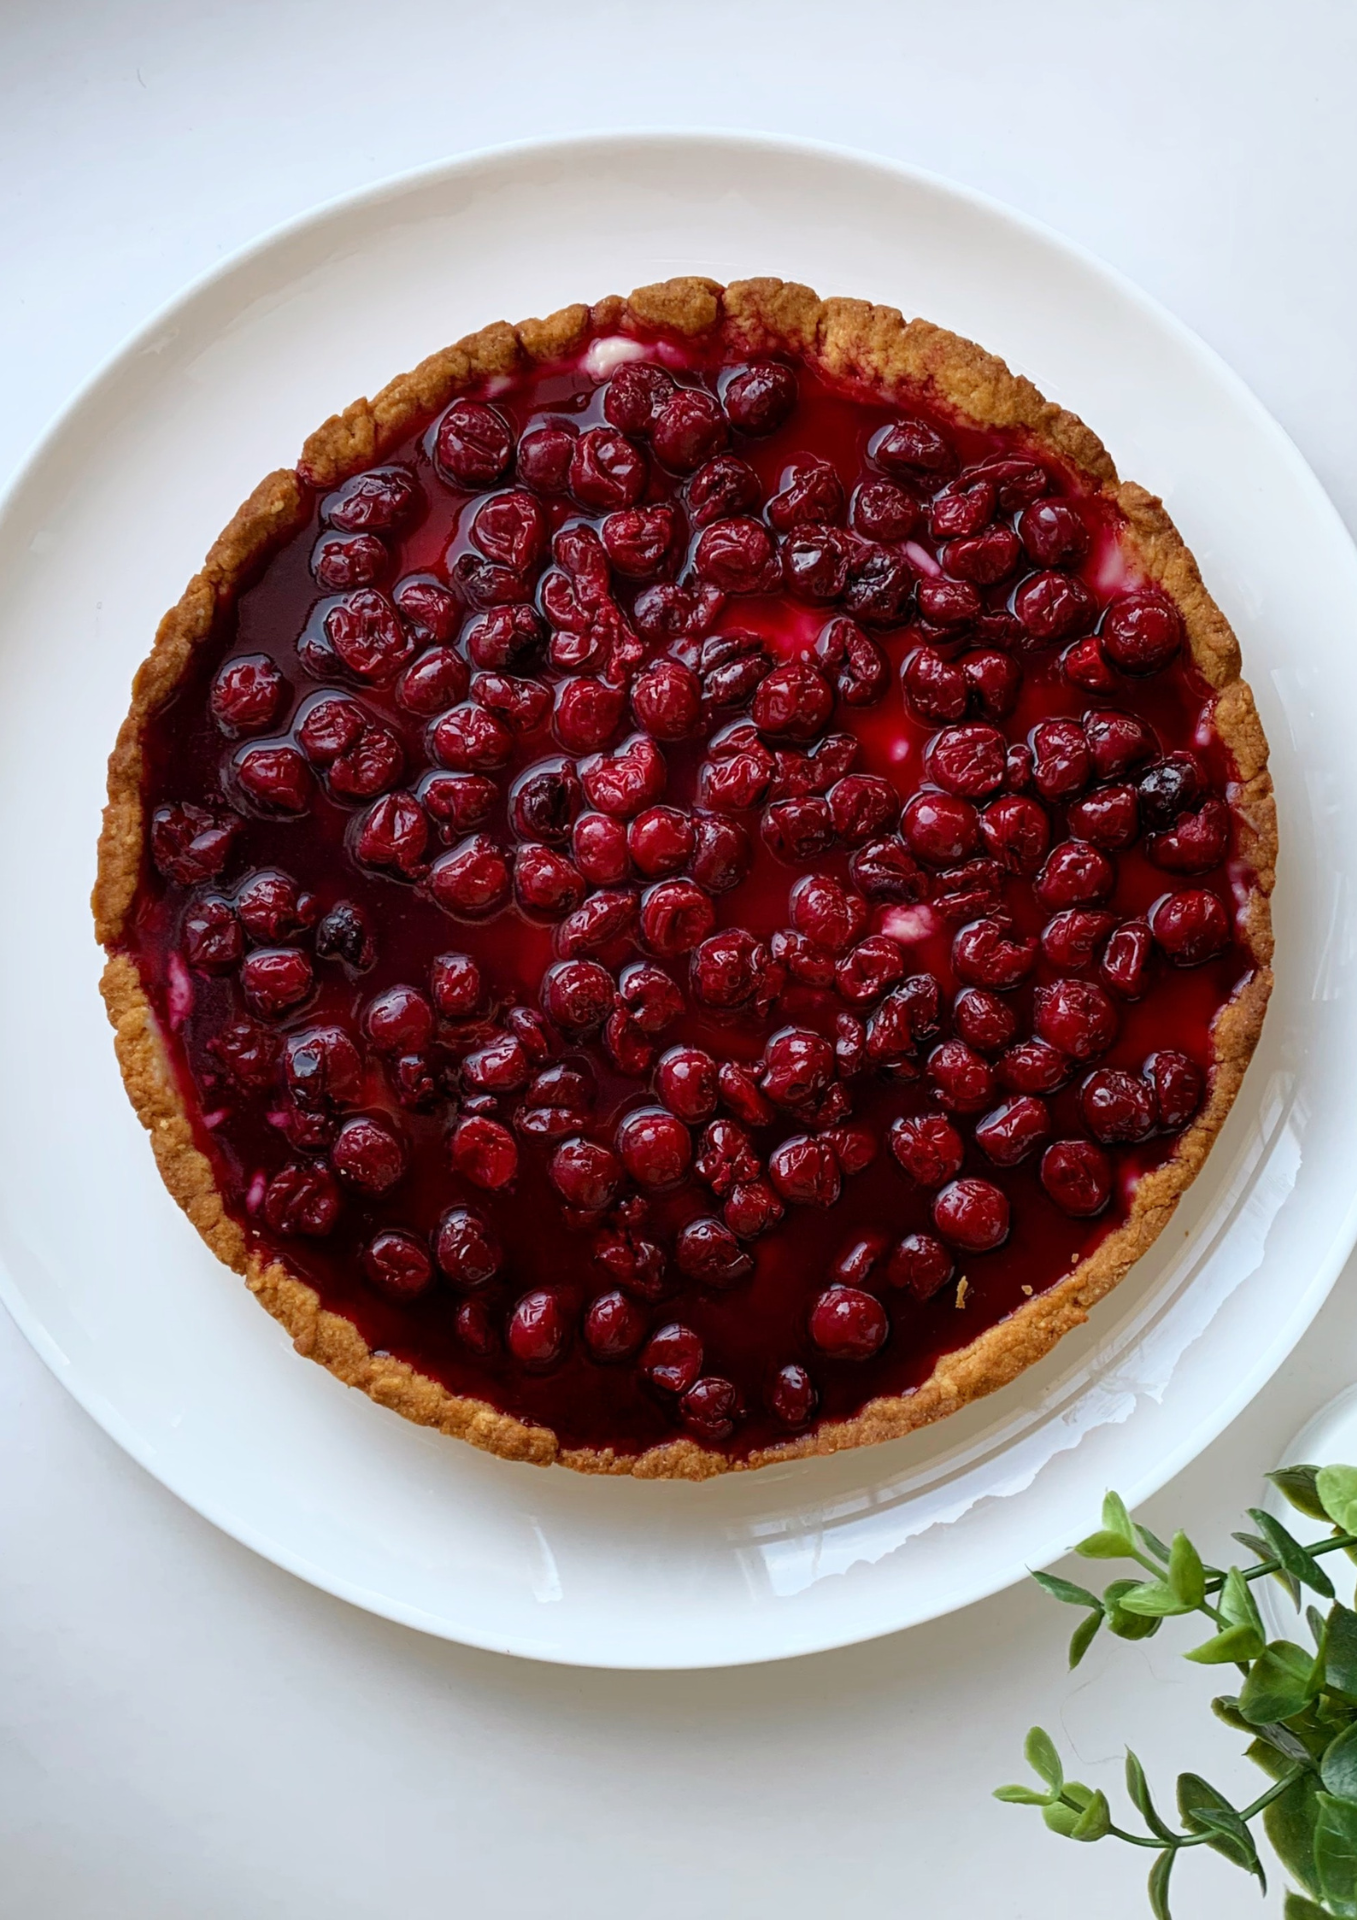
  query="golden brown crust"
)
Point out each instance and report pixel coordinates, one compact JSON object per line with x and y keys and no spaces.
{"x":850,"y":339}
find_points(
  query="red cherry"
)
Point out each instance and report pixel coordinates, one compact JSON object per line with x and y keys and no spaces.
{"x":634,"y":1263}
{"x":1077,"y":1176}
{"x":634,"y":396}
{"x":345,"y":934}
{"x":605,"y":917}
{"x":827,"y":913}
{"x":247,"y":693}
{"x":711,"y":1407}
{"x":722,"y":488}
{"x":949,"y":604}
{"x":1177,"y":1085}
{"x":1141,"y":632}
{"x":501,"y":1066}
{"x":1009,"y":1133}
{"x":1053,"y":606}
{"x":792,"y":1396}
{"x":921,"y":1263}
{"x":940,"y":828}
{"x":972,"y":1215}
{"x":472,"y":881}
{"x":656,"y":1148}
{"x":1109,"y":817}
{"x":511,"y":529}
{"x":476,"y":1328}
{"x":737,"y":556}
{"x":848,"y":1324}
{"x":688,"y":429}
{"x":862,"y":805}
{"x":1198,"y":842}
{"x":676,"y":916}
{"x":429,"y":606}
{"x":639,"y":540}
{"x":400,"y":1020}
{"x":1071,"y":939}
{"x":760,"y":397}
{"x":522,"y":705}
{"x":368,"y":1155}
{"x":457,"y":801}
{"x":806,"y":1172}
{"x":1016,"y":831}
{"x":650,"y":997}
{"x":968,"y":760}
{"x":470,"y":739}
{"x":484,"y":1153}
{"x":1074,"y":875}
{"x":190,"y":844}
{"x":323,"y":1067}
{"x":577,"y":995}
{"x":434,"y":679}
{"x":913,"y":447}
{"x":1116,"y":1106}
{"x":302,"y":1200}
{"x":869,"y":969}
{"x":708,"y":1252}
{"x":1117,"y":742}
{"x":393,"y":833}
{"x":815,"y":562}
{"x":660,"y":840}
{"x":1061,"y":759}
{"x":672,"y":1359}
{"x":1053,"y":533}
{"x":963,"y":1078}
{"x":928,"y":1147}
{"x":614,"y":1327}
{"x":666,"y":700}
{"x":367,"y":636}
{"x":1076,"y":1017}
{"x":213,"y":941}
{"x":752,"y":1208}
{"x":881,"y":510}
{"x":472,"y":445}
{"x":1084,"y":665}
{"x":248,"y":1053}
{"x":599,"y":845}
{"x":273,"y":979}
{"x":798,"y":1066}
{"x":626,"y":779}
{"x":964,"y":506}
{"x":467,"y":1248}
{"x":812,"y":495}
{"x":456,"y":984}
{"x":1033,"y":1067}
{"x":398,"y":1263}
{"x":983,"y":1020}
{"x":985,"y":954}
{"x":982,"y":558}
{"x":275,"y":778}
{"x":376,"y":500}
{"x":544,"y":455}
{"x":686,"y":1082}
{"x":538,"y":1332}
{"x":1126,"y":957}
{"x":545,"y":882}
{"x":1191,"y":927}
{"x":503,"y":637}
{"x":585,"y":1174}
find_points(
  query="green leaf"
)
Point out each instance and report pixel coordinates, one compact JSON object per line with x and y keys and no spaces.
{"x":1067,"y":1591}
{"x":1297,"y":1560}
{"x":1082,"y":1637}
{"x":1206,"y":1810}
{"x":1340,"y":1649}
{"x":1338,"y":1768}
{"x":1297,"y":1484}
{"x":1336,"y":1848}
{"x":1060,"y":1818}
{"x":1115,"y":1517}
{"x":1187,"y":1575}
{"x":1238,"y":1608}
{"x":1159,"y":1884}
{"x":1279,"y":1683}
{"x":1154,"y":1598}
{"x":1299,"y":1908}
{"x":1261,"y":1551}
{"x":1290,"y":1825}
{"x":1337,"y":1490}
{"x":1236,"y":1643}
{"x":1317,"y":1623}
{"x":1105,"y":1546}
{"x":1139,"y":1789}
{"x":1041,"y":1756}
{"x":1094,"y":1821}
{"x":1022,"y":1796}
{"x":1225,"y":1706}
{"x":1127,"y":1626}
{"x":1151,"y":1542}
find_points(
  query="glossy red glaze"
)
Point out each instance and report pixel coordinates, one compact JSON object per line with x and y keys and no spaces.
{"x":582,"y":638}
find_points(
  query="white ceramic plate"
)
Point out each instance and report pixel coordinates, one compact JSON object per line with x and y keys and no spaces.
{"x":170,"y":1354}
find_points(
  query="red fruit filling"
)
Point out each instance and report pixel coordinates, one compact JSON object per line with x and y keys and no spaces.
{"x":668,"y":871}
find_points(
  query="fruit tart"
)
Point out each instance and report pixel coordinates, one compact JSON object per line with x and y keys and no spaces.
{"x":692,"y":886}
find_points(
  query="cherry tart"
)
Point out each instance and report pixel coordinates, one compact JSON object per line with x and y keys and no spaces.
{"x":692,"y":886}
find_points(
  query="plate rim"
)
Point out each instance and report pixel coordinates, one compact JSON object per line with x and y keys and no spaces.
{"x":449,"y":170}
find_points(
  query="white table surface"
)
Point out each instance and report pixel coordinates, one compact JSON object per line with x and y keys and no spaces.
{"x":187,"y":1733}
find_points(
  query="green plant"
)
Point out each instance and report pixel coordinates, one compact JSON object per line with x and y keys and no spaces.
{"x":1297,"y":1705}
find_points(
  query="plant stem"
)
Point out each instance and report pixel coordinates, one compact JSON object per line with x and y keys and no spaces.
{"x":1274,"y":1792}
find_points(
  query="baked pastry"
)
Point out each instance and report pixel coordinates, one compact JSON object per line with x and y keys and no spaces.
{"x":692,"y":887}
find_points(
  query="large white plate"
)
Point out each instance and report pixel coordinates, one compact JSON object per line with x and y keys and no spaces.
{"x":170,"y":1354}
